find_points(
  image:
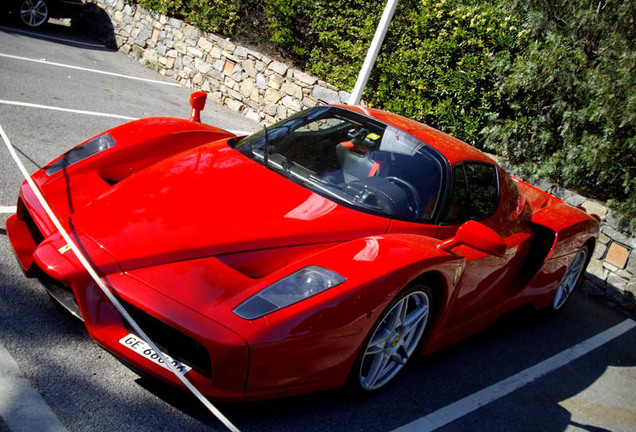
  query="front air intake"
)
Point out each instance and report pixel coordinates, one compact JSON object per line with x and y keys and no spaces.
{"x":171,"y":341}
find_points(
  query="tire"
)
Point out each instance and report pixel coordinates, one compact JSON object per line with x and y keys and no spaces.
{"x":391,"y":343}
{"x":571,"y":279}
{"x":33,"y":13}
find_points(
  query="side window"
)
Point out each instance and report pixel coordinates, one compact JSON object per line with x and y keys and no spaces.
{"x":457,"y":206}
{"x":482,"y":189}
{"x":473,"y":192}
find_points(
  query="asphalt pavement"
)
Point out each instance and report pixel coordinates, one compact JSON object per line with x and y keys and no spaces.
{"x":54,"y":95}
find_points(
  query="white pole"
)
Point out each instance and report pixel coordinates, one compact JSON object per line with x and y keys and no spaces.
{"x":372,"y":54}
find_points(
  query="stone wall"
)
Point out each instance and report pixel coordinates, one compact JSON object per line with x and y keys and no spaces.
{"x":244,"y":80}
{"x":267,"y":90}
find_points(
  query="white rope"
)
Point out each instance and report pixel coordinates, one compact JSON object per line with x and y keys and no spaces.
{"x":106,"y":290}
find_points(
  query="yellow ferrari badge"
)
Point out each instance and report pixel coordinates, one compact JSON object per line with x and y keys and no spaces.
{"x":458,"y":274}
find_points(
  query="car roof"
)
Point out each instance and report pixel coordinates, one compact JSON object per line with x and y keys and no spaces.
{"x":453,"y":149}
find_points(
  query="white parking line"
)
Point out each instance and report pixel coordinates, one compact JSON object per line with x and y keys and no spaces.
{"x":48,"y":107}
{"x":45,"y":36}
{"x":43,"y":61}
{"x":21,"y":406}
{"x":462,"y":407}
{"x":93,"y":113}
{"x":7,"y":209}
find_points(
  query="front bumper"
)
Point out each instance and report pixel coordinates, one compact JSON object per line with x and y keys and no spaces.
{"x":219,"y":358}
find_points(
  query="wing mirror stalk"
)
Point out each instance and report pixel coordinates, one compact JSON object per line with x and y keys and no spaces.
{"x":477,"y":236}
{"x":197,"y":102}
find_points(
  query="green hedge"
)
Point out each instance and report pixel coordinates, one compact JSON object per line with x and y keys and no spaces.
{"x":547,"y":84}
{"x":217,"y":16}
{"x":569,"y":110}
{"x":440,"y":66}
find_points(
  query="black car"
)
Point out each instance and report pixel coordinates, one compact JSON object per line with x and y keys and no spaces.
{"x":34,"y":13}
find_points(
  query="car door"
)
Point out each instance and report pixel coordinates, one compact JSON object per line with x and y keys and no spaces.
{"x":485,"y":193}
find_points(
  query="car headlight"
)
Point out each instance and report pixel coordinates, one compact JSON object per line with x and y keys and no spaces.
{"x":298,"y":286}
{"x":79,"y":153}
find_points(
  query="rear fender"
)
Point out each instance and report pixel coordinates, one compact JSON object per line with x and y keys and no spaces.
{"x":572,"y":227}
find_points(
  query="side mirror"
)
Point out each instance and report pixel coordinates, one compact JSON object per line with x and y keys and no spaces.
{"x":197,"y":102}
{"x":477,"y":236}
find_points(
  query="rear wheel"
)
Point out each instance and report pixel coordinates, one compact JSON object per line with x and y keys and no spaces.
{"x":571,"y":279}
{"x":33,"y":13}
{"x":393,"y":339}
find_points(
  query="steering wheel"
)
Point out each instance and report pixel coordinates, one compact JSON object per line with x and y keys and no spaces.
{"x":416,"y":205}
{"x":371,"y":197}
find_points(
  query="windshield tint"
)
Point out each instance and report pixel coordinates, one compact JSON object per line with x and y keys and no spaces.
{"x":354,"y":160}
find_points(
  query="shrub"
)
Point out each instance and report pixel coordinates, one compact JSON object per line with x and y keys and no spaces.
{"x":569,"y":109}
{"x":217,"y":16}
{"x":289,"y":22}
{"x":439,"y":65}
{"x":343,"y":39}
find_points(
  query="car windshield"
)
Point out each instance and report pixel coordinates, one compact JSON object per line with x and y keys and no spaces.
{"x":353,"y":159}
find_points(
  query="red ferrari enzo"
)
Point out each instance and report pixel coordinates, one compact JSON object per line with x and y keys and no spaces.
{"x":325,"y":249}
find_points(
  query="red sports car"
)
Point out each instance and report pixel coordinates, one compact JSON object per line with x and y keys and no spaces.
{"x":325,"y":249}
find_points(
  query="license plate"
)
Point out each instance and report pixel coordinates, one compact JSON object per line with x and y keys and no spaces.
{"x":137,"y":344}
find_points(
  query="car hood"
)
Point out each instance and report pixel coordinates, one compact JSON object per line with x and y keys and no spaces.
{"x":209,"y":201}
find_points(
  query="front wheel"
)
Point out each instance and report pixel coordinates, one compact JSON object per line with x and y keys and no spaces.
{"x":571,"y":279}
{"x":393,"y":339}
{"x":33,"y":13}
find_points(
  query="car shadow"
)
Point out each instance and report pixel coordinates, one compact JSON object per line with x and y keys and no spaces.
{"x":90,"y":28}
{"x":94,"y":22}
{"x":517,"y":341}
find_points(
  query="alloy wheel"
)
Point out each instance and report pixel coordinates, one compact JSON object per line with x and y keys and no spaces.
{"x":570,"y":279}
{"x":394,"y":340}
